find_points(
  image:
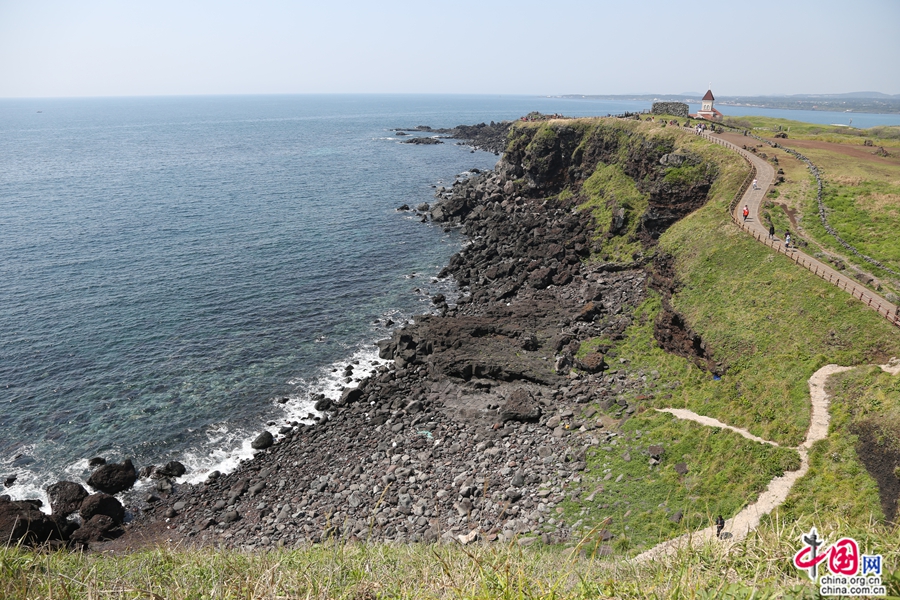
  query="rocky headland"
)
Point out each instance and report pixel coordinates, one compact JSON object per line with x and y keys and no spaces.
{"x":490,"y":137}
{"x":481,"y":426}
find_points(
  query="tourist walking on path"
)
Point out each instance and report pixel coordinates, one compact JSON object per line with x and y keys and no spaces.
{"x":771,"y":232}
{"x":746,"y":212}
{"x":787,"y":238}
{"x":720,"y":525}
{"x":755,"y":187}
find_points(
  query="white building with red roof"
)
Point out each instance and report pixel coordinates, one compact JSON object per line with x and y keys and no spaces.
{"x":707,"y":111}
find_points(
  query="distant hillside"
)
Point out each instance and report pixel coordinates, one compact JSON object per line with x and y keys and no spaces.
{"x":870,"y":102}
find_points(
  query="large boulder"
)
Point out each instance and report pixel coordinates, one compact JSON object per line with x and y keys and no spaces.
{"x":541,"y":278}
{"x":95,"y":529}
{"x":23,"y":522}
{"x":66,"y":497}
{"x":114,"y":477}
{"x":592,"y":362}
{"x":520,"y":406}
{"x":173,"y":468}
{"x":262,"y":441}
{"x":102,"y":504}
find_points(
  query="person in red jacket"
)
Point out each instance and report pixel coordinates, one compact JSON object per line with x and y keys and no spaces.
{"x":746,"y":212}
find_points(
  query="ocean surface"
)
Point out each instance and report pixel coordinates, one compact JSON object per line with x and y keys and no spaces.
{"x":177,"y":274}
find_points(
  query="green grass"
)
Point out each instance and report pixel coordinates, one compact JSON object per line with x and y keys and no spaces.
{"x":863,"y":204}
{"x":770,"y":323}
{"x":837,"y":482}
{"x":609,"y":189}
{"x":862,"y":197}
{"x":880,"y":136}
{"x":862,"y":193}
{"x":757,"y":567}
{"x":635,"y":502}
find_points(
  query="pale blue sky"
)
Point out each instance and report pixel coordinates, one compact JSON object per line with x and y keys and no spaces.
{"x":162,"y":47}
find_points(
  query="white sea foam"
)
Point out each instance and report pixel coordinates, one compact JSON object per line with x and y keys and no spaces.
{"x":226,"y":444}
{"x":226,"y":448}
{"x":31,"y":485}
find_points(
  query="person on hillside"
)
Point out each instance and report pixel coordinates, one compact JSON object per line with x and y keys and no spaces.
{"x":720,"y":525}
{"x":746,"y":212}
{"x":771,"y":232}
{"x":787,"y":239}
{"x":755,"y":187}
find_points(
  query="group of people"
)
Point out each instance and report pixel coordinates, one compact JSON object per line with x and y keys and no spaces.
{"x":787,"y":236}
{"x":787,"y":233}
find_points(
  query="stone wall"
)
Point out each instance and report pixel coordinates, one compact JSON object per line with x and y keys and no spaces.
{"x":677,"y":109}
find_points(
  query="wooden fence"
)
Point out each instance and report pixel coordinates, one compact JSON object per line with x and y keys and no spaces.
{"x":875,"y":302}
{"x":862,"y":294}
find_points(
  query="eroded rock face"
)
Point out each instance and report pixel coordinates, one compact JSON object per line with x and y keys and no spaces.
{"x":113,"y":478}
{"x":670,"y":329}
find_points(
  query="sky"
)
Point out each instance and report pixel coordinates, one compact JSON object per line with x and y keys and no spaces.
{"x":54,"y":48}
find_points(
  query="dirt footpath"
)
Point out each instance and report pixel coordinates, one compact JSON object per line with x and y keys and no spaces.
{"x":748,"y":519}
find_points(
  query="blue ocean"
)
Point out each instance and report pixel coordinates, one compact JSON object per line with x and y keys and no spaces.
{"x":177,"y":274}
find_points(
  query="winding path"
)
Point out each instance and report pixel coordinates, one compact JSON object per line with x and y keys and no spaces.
{"x":753,"y":199}
{"x":689,"y":415}
{"x":777,"y":491}
{"x":746,"y":520}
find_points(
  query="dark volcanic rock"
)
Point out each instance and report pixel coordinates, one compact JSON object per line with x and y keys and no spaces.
{"x":422,"y":141}
{"x":592,"y":362}
{"x":66,"y":497}
{"x":102,"y":504}
{"x":113,"y":478}
{"x":263,"y":440}
{"x":521,"y":406}
{"x":172,"y":468}
{"x":97,"y":528}
{"x":490,"y":137}
{"x":23,"y":522}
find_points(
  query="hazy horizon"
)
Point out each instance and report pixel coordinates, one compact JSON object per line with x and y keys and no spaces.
{"x":104,"y":48}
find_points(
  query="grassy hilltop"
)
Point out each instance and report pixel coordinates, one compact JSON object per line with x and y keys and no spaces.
{"x":766,"y":325}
